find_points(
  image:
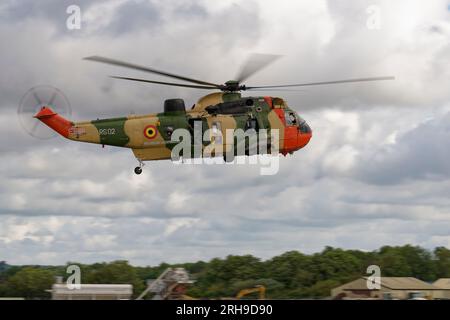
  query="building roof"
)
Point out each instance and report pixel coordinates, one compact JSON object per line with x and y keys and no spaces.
{"x":393,"y":283}
{"x":112,"y":289}
{"x":410,"y":283}
{"x":443,"y":283}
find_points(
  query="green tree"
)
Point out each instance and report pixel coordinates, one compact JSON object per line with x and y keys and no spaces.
{"x":3,"y":266}
{"x":442,"y":262}
{"x":234,"y":268}
{"x":407,"y":261}
{"x":293,"y":269}
{"x":31,"y":283}
{"x":321,"y":288}
{"x":335,"y":264}
{"x":215,"y":280}
{"x":289,"y":275}
{"x":116,"y":272}
{"x":394,"y":265}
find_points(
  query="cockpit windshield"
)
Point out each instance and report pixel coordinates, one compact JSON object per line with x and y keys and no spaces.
{"x":303,"y":127}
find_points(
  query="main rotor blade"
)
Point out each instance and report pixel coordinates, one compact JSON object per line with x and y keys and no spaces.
{"x":277,"y":89}
{"x":147,"y":69}
{"x":254,"y":63}
{"x":326,"y":82}
{"x":166,"y":83}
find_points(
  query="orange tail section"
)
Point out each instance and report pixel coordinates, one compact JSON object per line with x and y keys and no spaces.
{"x":54,"y":121}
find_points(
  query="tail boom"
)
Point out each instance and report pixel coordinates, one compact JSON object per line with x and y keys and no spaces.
{"x":54,"y":121}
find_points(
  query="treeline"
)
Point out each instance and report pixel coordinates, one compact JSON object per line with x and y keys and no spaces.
{"x":290,"y":275}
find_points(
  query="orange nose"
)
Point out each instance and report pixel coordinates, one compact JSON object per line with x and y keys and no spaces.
{"x":303,"y":139}
{"x":304,"y":134}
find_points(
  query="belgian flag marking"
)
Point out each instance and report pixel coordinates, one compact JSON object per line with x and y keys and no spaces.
{"x":150,"y":132}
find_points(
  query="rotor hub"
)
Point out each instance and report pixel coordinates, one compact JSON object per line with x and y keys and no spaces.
{"x":231,"y":85}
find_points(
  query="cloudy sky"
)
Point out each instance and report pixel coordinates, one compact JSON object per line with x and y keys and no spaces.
{"x":377,"y":171}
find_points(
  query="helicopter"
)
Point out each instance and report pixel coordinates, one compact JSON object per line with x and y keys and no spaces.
{"x":150,"y":136}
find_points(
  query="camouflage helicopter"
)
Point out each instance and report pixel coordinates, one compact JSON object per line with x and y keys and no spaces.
{"x":149,"y":136}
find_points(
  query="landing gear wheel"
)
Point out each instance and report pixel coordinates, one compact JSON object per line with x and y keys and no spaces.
{"x":138,"y":170}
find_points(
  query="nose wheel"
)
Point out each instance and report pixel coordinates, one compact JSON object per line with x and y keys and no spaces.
{"x":138,"y":170}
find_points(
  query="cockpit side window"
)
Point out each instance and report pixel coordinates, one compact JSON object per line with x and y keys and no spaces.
{"x":291,"y":119}
{"x":279,"y":103}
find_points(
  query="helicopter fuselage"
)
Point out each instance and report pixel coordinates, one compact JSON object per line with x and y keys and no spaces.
{"x":150,"y":136}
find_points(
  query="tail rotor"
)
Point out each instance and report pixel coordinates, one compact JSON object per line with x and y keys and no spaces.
{"x":33,"y":101}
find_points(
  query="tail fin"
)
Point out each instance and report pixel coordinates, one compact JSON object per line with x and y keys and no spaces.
{"x":54,"y":121}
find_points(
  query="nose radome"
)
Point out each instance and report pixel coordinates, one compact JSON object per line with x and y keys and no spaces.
{"x":304,"y":134}
{"x":304,"y":139}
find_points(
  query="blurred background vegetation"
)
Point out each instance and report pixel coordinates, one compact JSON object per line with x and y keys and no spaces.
{"x":289,"y":275}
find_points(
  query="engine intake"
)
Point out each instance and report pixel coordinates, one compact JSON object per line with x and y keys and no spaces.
{"x":174,"y":105}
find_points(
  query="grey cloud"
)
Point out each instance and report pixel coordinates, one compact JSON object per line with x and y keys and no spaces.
{"x":420,"y":153}
{"x":16,"y":12}
{"x":134,"y":16}
{"x":352,"y":186}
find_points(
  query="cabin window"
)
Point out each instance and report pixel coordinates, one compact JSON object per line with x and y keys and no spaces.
{"x":251,"y":124}
{"x":216,"y":132}
{"x":387,"y":296}
{"x":169,"y":131}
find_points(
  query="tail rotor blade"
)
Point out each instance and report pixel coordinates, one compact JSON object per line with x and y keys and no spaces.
{"x":52,"y":98}
{"x":32,"y":101}
{"x":35,"y":126}
{"x":36,"y":97}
